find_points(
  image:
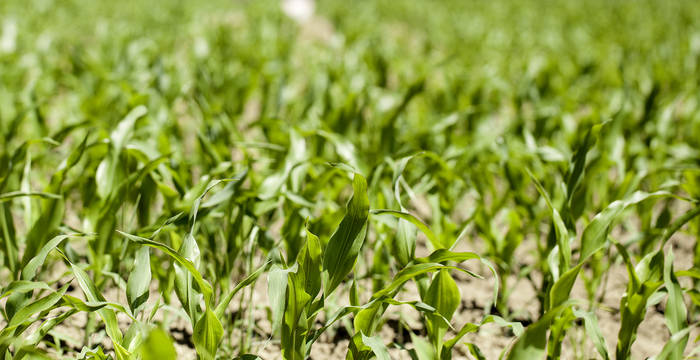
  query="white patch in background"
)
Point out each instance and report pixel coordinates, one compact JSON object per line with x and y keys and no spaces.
{"x":8,"y":40}
{"x":695,"y":43}
{"x":201,"y":47}
{"x":386,"y":102}
{"x":102,"y":28}
{"x":44,"y":41}
{"x":299,"y":10}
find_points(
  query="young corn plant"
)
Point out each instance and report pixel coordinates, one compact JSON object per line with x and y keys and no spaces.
{"x":295,"y":290}
{"x":191,"y":288}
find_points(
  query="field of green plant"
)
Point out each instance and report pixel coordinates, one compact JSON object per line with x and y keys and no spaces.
{"x":389,"y":179}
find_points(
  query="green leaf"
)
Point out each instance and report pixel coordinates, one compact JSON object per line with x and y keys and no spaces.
{"x":277,"y":280}
{"x":47,"y":326}
{"x":345,"y":243}
{"x":90,"y":306}
{"x":310,"y":263}
{"x":645,"y":279}
{"x":23,"y":286}
{"x":52,"y":209}
{"x":676,"y":342}
{"x":107,"y":174}
{"x":692,"y":273}
{"x":94,"y":354}
{"x":15,"y":194}
{"x":294,"y":327}
{"x":595,"y":234}
{"x":403,"y":247}
{"x":139,"y":280}
{"x":9,"y":241}
{"x":443,"y":294}
{"x":29,"y":270}
{"x":532,"y":343}
{"x":590,"y":323}
{"x":226,"y":299}
{"x":423,"y":349}
{"x":207,"y":335}
{"x":467,"y":328}
{"x":561,"y":289}
{"x":38,"y":306}
{"x":578,"y":161}
{"x":158,"y":346}
{"x":409,"y":273}
{"x":184,"y":288}
{"x":676,"y":313}
{"x":204,"y":286}
{"x":377,"y":345}
{"x":476,"y":352}
{"x":560,"y":229}
{"x":442,"y":255}
{"x":678,"y":223}
{"x":353,"y":295}
{"x":415,"y":221}
{"x":369,"y":314}
{"x":44,"y":227}
{"x":93,"y":295}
